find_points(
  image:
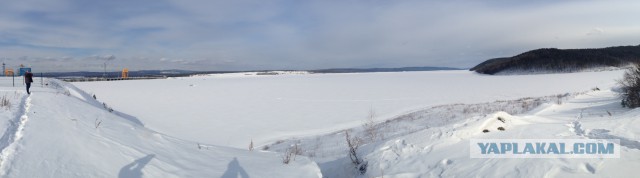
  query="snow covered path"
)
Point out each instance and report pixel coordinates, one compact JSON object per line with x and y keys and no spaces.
{"x":13,"y":134}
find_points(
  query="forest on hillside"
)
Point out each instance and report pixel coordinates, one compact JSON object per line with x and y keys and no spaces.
{"x":561,"y":60}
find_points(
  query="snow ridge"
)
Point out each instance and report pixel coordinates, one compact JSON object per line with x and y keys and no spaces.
{"x":13,"y":134}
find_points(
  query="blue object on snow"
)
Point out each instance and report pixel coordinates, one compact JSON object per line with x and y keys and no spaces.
{"x":24,"y":70}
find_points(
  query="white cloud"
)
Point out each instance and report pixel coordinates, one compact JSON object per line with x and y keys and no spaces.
{"x":246,"y":34}
{"x":595,"y":31}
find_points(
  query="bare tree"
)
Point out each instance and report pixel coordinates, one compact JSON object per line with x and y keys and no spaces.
{"x":369,"y":126}
{"x":251,"y":145}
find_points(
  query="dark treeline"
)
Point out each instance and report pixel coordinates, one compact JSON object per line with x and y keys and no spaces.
{"x":183,"y":73}
{"x":561,"y":60}
{"x":365,"y":70}
{"x":142,"y":73}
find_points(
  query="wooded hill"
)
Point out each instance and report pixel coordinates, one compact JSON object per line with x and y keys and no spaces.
{"x":561,"y":60}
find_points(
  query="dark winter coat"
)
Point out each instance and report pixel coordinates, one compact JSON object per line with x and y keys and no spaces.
{"x":28,"y":77}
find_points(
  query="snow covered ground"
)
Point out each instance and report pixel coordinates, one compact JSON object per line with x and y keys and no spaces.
{"x":444,"y":151}
{"x":60,"y":131}
{"x":233,"y":109}
{"x":421,"y":126}
{"x":435,"y":142}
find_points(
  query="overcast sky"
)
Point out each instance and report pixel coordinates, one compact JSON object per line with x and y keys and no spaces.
{"x":75,"y":35}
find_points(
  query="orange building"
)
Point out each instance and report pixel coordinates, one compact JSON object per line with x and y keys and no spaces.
{"x":8,"y":72}
{"x":125,"y":73}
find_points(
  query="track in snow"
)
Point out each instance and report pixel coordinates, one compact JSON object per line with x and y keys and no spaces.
{"x":8,"y":142}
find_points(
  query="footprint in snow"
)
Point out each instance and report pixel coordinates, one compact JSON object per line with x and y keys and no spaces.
{"x":589,"y":168}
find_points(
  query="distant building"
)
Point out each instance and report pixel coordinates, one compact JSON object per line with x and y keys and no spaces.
{"x":8,"y":72}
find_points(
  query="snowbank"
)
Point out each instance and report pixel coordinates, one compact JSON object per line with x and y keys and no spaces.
{"x":442,"y":149}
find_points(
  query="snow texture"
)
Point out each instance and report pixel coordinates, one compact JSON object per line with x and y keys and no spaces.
{"x":410,"y":124}
{"x":58,"y":131}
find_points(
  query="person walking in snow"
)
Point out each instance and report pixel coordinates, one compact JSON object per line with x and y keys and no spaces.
{"x":28,"y":79}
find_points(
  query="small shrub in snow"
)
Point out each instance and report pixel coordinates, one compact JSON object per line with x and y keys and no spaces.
{"x":201,"y":146}
{"x":630,"y":87}
{"x":485,"y":131}
{"x":97,"y":123}
{"x":266,"y":147}
{"x":290,"y":154}
{"x":501,"y":128}
{"x":501,"y":119}
{"x":559,"y":99}
{"x":353,"y":143}
{"x":107,"y":107}
{"x":4,"y":102}
{"x":369,"y":126}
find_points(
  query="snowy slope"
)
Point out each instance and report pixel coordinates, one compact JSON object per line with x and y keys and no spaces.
{"x":270,"y":108}
{"x":419,"y":154}
{"x":438,"y":148}
{"x":59,"y":131}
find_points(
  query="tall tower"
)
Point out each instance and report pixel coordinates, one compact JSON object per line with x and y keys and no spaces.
{"x":3,"y":69}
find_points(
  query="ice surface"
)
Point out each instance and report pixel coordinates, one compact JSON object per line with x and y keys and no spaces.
{"x":233,"y":109}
